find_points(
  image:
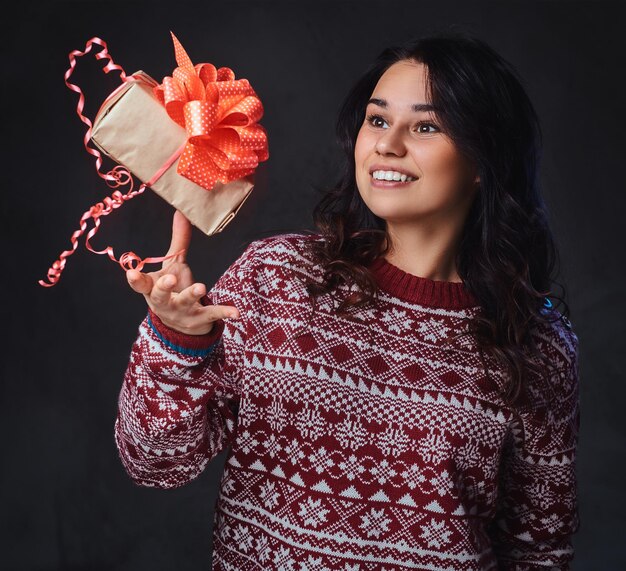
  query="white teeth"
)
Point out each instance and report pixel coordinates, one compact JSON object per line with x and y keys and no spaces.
{"x":392,"y":175}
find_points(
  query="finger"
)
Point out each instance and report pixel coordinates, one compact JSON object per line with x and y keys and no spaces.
{"x":162,"y":289}
{"x":190,"y":295}
{"x":215,"y":312}
{"x":181,"y":238}
{"x":141,"y":283}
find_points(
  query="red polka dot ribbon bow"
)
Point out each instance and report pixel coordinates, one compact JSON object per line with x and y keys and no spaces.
{"x":220,"y":115}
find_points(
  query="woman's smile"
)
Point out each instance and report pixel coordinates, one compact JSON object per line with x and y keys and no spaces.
{"x":384,"y":183}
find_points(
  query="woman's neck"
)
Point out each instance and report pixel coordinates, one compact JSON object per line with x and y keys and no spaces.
{"x":428,"y":250}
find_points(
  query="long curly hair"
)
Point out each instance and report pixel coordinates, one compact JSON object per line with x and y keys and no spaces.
{"x":507,"y":256}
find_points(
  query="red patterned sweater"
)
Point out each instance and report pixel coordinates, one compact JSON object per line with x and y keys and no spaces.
{"x":371,"y":444}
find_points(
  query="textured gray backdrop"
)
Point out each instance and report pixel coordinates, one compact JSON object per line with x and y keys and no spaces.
{"x":66,"y":503}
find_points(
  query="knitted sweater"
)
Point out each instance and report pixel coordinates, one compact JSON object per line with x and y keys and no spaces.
{"x":370,"y":443}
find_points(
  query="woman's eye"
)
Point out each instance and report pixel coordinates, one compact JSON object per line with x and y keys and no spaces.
{"x":427,"y":125}
{"x":373,"y":118}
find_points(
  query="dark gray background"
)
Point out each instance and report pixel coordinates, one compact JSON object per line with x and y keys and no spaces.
{"x":66,"y":502}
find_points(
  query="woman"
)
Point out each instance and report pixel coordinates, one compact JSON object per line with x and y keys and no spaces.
{"x":428,"y":421}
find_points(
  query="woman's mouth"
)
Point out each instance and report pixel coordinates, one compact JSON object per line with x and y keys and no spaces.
{"x":390,"y":179}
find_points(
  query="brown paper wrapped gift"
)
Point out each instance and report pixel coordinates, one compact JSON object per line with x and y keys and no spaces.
{"x":134,"y":129}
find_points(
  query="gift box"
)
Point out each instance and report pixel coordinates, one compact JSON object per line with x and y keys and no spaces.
{"x":194,"y":139}
{"x":134,"y":129}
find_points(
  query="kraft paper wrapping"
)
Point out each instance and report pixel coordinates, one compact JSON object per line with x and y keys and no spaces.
{"x":135,"y":131}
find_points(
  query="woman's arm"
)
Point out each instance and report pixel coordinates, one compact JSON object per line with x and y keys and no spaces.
{"x":538,"y":512}
{"x":178,"y":402}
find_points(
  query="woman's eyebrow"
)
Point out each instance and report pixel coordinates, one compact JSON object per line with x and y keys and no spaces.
{"x":417,"y":107}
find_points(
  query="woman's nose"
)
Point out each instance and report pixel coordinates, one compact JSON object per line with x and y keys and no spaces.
{"x":390,"y":142}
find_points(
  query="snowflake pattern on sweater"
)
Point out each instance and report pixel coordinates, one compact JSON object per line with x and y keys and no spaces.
{"x":368,"y":444}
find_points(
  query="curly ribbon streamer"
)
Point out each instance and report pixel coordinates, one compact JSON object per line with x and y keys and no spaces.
{"x":128,"y":260}
{"x":224,"y":141}
{"x":109,"y":67}
{"x":220,"y":116}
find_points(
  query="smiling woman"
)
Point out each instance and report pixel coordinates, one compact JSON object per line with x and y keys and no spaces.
{"x":428,"y":422}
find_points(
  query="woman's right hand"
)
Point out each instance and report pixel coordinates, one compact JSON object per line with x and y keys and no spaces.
{"x":171,"y":292}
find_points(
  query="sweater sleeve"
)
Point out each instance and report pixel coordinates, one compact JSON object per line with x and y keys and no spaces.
{"x":537,"y":505}
{"x":177,"y":408}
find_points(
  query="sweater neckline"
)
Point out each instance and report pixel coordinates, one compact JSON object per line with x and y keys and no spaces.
{"x":418,"y":289}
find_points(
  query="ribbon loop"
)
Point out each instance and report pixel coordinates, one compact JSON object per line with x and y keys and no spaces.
{"x":119,"y":176}
{"x":131,"y":261}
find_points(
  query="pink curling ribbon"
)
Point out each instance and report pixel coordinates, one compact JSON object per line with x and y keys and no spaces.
{"x":118,"y":176}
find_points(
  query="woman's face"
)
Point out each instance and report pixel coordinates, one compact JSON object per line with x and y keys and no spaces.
{"x":396,"y":137}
